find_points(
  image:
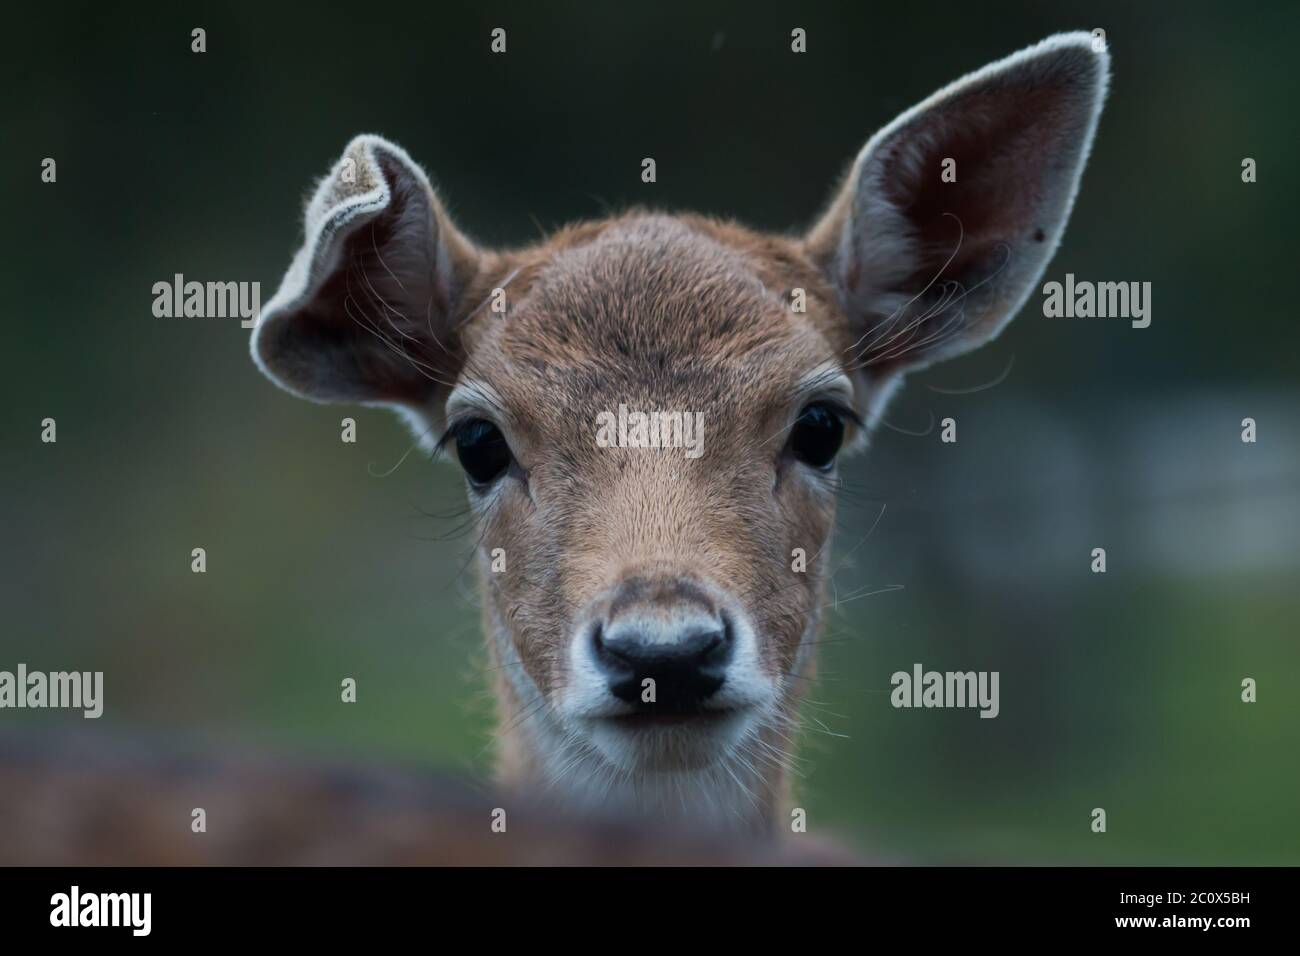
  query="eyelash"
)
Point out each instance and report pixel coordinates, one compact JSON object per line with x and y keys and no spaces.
{"x":840,"y":409}
{"x":454,"y":428}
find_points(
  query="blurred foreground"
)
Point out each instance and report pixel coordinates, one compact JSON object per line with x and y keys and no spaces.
{"x":73,"y":802}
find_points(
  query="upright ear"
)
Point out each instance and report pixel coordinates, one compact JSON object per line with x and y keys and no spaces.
{"x":366,"y":311}
{"x":952,"y":211}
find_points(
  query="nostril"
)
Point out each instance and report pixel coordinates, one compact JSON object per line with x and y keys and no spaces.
{"x":610,"y":659}
{"x":684,"y":666}
{"x":718,"y":650}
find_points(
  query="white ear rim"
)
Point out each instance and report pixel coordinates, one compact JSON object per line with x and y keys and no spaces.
{"x":891,"y":247}
{"x":336,"y":210}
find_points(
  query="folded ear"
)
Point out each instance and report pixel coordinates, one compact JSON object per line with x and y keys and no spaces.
{"x":951,"y":212}
{"x":365,"y":312}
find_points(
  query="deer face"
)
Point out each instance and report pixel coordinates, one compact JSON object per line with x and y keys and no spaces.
{"x":648,"y":593}
{"x":649,"y":409}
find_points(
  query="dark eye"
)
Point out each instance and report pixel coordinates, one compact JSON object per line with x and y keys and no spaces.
{"x":482,"y":451}
{"x":817,"y":435}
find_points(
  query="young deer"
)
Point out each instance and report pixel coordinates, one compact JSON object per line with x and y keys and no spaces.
{"x":649,"y":636}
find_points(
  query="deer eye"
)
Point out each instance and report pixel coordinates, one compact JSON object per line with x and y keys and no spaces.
{"x":482,"y":451}
{"x":817,"y":435}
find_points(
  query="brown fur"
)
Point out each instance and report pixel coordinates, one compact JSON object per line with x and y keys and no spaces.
{"x":388,"y":302}
{"x":696,"y":313}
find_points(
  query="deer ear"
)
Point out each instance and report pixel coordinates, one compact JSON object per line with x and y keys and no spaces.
{"x":951,"y":212}
{"x":365,"y":312}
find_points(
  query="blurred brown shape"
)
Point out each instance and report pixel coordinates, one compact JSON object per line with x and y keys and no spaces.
{"x":82,"y":802}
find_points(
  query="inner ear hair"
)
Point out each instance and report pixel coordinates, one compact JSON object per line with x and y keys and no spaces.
{"x":366,"y":310}
{"x":950,"y":213}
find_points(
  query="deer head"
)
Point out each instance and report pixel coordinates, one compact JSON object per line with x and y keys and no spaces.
{"x":645,"y":606}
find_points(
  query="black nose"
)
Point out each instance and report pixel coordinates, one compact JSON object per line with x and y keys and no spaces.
{"x":686,"y":668}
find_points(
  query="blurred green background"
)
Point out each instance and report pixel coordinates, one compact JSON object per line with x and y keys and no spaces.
{"x":1118,"y":690}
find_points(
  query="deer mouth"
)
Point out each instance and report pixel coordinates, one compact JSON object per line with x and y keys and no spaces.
{"x":669,"y":740}
{"x":672,"y":718}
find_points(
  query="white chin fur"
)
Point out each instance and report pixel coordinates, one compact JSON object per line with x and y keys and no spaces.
{"x":701,"y":772}
{"x":688,"y":746}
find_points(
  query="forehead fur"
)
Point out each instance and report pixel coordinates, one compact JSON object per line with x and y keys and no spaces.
{"x":658,"y":306}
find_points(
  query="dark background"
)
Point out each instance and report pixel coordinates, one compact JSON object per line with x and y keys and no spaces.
{"x":1118,"y":691}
